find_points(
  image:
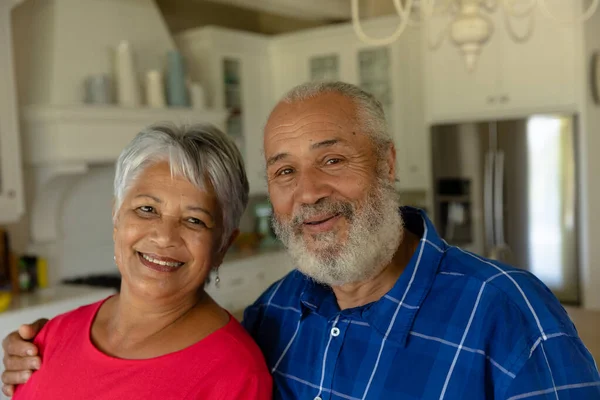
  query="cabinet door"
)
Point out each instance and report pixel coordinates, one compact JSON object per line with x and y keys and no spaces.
{"x":452,"y":91}
{"x":257,"y":104}
{"x":325,"y":67}
{"x":412,"y":140}
{"x":540,"y":73}
{"x":289,"y":69}
{"x":11,"y":184}
{"x":393,"y":74}
{"x":245,"y":87}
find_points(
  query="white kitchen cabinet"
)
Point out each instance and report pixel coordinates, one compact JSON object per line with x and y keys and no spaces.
{"x":235,"y":71}
{"x":46,"y":303}
{"x":541,"y":73}
{"x":244,"y":278}
{"x":11,"y":181}
{"x":411,"y":139}
{"x":510,"y":78}
{"x":452,"y":91}
{"x":294,"y":57}
{"x":392,"y":73}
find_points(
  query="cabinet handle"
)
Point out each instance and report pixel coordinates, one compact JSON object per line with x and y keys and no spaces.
{"x":491,"y":99}
{"x":504,"y":98}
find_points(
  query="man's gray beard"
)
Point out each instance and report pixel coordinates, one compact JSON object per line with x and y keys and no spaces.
{"x":374,"y":235}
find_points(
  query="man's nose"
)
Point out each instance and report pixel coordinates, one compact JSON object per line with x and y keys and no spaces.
{"x":312,"y":187}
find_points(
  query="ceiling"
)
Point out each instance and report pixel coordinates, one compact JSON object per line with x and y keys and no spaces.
{"x":264,"y":16}
{"x":301,"y":9}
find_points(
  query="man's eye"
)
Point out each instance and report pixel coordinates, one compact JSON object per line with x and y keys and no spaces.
{"x":285,"y":171}
{"x":332,"y":161}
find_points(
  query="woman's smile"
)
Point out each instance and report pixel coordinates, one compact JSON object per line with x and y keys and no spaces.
{"x":159,"y":263}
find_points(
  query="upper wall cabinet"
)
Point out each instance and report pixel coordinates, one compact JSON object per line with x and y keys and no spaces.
{"x":391,"y":73}
{"x":510,"y":78}
{"x":234,"y":69}
{"x":11,"y":181}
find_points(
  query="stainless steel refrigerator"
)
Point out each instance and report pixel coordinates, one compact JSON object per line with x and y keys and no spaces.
{"x":507,"y":190}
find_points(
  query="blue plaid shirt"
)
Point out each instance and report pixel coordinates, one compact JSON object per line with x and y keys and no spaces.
{"x":454,"y":326}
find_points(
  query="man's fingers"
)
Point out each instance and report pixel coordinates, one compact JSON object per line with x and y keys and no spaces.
{"x":15,"y":377}
{"x":28,"y":331}
{"x":8,"y":390}
{"x":14,"y":345}
{"x":17,"y":363}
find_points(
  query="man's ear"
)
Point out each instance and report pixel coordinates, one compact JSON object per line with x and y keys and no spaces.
{"x":391,"y":161}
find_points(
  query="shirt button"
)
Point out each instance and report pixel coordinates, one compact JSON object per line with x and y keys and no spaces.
{"x":335,"y":331}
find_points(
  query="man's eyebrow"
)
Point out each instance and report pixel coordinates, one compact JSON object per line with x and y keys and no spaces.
{"x":277,"y":157}
{"x":325,"y":143}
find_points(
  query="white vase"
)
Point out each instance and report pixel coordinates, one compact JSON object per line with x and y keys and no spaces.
{"x":155,"y":92}
{"x":128,"y":88}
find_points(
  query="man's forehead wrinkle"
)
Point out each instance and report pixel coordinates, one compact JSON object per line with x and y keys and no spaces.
{"x":281,"y":120}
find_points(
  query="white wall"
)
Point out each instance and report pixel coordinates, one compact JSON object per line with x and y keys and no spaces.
{"x":590,"y":181}
{"x":87,"y":245}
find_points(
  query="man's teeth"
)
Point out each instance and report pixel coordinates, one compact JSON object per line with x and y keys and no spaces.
{"x":159,"y":262}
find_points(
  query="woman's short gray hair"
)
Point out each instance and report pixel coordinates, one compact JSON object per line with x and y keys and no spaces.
{"x":198,"y":153}
{"x":371,"y":116}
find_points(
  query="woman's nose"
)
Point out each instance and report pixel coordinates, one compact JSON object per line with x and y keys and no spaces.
{"x":166,"y":232}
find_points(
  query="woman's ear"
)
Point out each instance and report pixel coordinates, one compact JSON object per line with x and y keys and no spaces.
{"x":223,"y":251}
{"x":114,"y":218}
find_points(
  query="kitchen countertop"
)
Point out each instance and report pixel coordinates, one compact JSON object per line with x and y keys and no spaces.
{"x":236,"y":255}
{"x":587,"y":323}
{"x":56,"y":294}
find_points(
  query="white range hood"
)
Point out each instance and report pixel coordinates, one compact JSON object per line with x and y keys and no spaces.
{"x":61,"y":143}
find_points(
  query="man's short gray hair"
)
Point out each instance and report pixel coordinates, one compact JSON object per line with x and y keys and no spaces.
{"x":371,"y":116}
{"x":200,"y":153}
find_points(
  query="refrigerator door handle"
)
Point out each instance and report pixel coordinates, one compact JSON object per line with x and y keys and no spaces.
{"x":501,"y":251}
{"x":499,"y":198}
{"x":488,"y":200}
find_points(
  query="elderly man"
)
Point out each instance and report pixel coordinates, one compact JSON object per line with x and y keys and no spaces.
{"x":380,"y":306}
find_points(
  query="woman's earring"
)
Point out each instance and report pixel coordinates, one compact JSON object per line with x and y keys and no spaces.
{"x":217,"y":279}
{"x":115,"y":258}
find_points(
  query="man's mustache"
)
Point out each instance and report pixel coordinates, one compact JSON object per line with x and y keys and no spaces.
{"x":308,"y":211}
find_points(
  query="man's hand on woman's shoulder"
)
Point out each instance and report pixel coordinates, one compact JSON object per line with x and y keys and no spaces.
{"x":20,"y":356}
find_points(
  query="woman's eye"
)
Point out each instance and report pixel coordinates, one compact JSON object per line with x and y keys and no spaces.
{"x":196,"y":221}
{"x":146,"y":209}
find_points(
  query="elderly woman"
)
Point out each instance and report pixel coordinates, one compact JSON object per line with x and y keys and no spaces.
{"x":179,"y":196}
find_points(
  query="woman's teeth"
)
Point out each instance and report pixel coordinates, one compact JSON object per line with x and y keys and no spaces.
{"x":159,"y":262}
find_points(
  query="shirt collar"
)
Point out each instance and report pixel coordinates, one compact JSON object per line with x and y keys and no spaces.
{"x":401,"y":304}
